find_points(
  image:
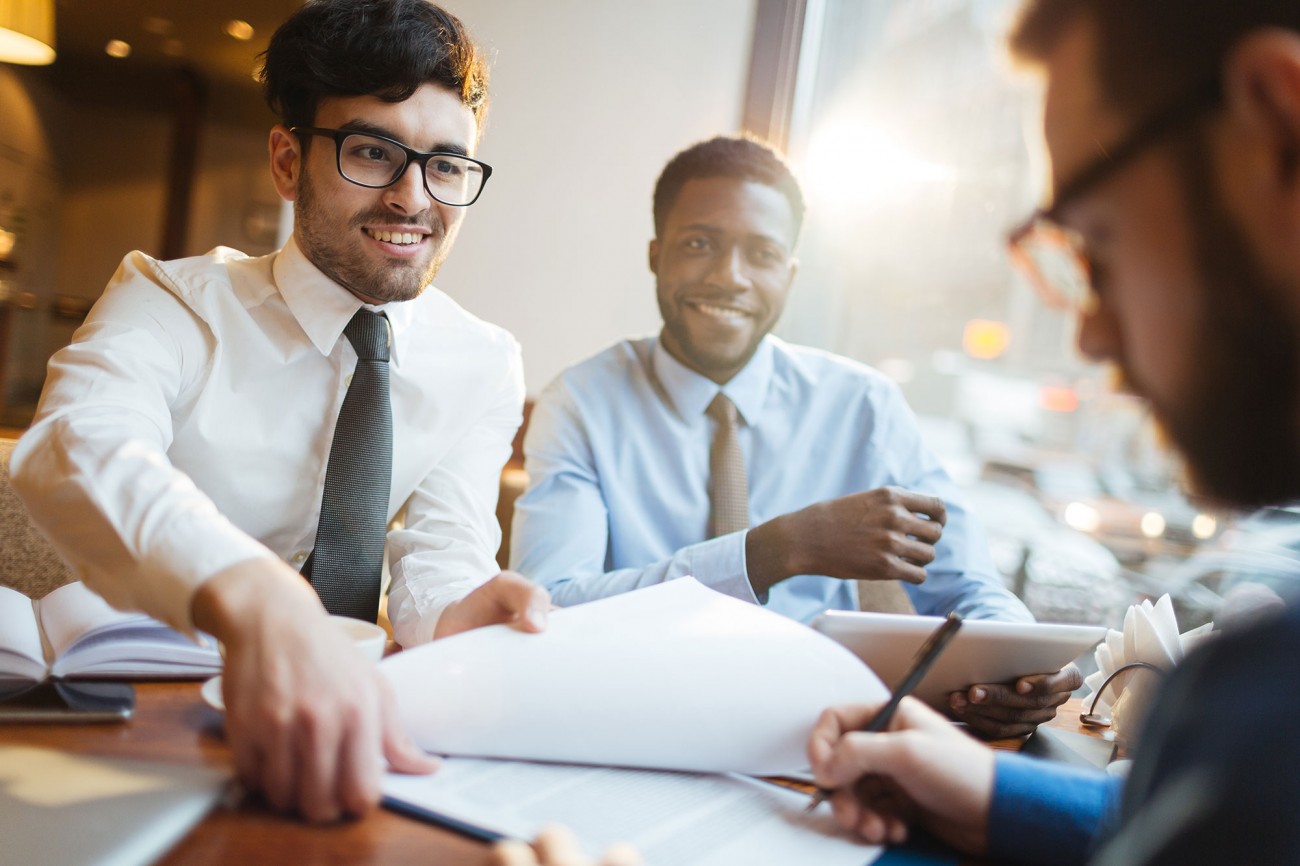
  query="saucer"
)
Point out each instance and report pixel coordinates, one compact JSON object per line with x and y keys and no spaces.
{"x":211,"y":693}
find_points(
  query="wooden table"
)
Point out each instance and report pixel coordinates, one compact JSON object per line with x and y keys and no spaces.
{"x":171,"y":723}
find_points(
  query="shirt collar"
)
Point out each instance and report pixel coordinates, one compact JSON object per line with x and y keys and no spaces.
{"x":323,"y":308}
{"x":691,"y":393}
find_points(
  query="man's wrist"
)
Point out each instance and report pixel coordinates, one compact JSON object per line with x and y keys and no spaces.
{"x":768,"y":555}
{"x":230,"y":598}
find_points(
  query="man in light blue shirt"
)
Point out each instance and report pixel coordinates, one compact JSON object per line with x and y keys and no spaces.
{"x":840,"y":486}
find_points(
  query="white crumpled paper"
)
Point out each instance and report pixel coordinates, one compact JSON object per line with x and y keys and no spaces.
{"x":1150,"y":635}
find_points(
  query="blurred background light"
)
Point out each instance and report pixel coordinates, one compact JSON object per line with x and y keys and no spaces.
{"x":1153,"y":524}
{"x":850,"y":163}
{"x":1082,"y":516}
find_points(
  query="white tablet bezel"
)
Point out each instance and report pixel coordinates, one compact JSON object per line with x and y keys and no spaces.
{"x":984,"y":651}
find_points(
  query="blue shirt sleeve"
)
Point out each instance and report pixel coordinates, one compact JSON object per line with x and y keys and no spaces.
{"x":963,"y":577}
{"x":1045,"y":812}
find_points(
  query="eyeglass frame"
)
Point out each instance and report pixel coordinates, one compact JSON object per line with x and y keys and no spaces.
{"x":1157,"y":125}
{"x":412,"y":155}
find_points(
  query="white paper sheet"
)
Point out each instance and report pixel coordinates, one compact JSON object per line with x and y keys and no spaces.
{"x":673,"y":819}
{"x":674,"y":676}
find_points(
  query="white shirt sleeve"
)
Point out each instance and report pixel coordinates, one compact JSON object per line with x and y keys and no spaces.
{"x":93,"y":469}
{"x":445,"y":549}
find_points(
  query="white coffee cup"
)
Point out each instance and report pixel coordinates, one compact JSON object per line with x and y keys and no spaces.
{"x":369,"y":637}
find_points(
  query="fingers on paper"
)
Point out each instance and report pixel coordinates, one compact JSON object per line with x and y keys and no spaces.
{"x":556,"y":845}
{"x":520,"y":601}
{"x":512,"y":852}
{"x":403,"y":756}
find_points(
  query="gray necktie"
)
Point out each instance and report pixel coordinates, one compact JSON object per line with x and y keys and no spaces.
{"x":346,"y":566}
{"x":729,"y":489}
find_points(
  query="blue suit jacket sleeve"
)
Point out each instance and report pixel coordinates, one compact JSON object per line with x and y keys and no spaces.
{"x":1044,"y":812}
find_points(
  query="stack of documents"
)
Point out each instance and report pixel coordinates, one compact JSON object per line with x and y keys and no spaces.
{"x":675,"y":677}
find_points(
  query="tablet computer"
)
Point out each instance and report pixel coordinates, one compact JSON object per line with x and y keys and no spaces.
{"x":984,"y":651}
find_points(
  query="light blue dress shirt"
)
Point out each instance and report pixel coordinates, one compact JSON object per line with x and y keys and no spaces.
{"x":617,"y":454}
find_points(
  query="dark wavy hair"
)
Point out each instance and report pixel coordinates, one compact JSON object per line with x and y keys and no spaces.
{"x":741,"y":157}
{"x":1149,"y":50}
{"x":382,"y":48}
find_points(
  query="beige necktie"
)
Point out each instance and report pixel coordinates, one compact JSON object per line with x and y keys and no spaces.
{"x":883,"y":596}
{"x":729,"y":489}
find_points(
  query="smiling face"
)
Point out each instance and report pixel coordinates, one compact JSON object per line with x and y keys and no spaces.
{"x":724,"y":267}
{"x":380,"y":244}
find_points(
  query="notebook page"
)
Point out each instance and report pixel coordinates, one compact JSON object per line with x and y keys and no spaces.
{"x":72,"y":611}
{"x":21,"y":653}
{"x":673,"y":819}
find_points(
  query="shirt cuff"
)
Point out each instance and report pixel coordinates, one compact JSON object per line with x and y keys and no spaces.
{"x":719,"y":564}
{"x":183,"y":560}
{"x":1046,"y":812}
{"x":415,"y":606}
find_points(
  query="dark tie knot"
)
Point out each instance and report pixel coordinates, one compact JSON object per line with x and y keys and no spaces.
{"x":368,"y":334}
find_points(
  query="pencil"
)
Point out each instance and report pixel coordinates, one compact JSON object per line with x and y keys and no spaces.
{"x":921,"y":662}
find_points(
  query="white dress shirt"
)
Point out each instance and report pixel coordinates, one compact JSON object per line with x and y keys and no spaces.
{"x":188,"y":426}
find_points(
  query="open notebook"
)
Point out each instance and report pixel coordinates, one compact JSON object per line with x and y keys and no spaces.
{"x":72,"y":632}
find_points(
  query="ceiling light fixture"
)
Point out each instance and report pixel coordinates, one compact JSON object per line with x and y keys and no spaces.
{"x":117,"y":48}
{"x":27,"y":32}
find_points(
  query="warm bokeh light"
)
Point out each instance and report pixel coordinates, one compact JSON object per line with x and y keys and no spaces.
{"x":241,"y":30}
{"x":1058,"y":398}
{"x":1082,"y":516}
{"x":117,"y":48}
{"x":1204,"y":526}
{"x":1153,"y":524}
{"x":157,"y":26}
{"x":985,"y":339}
{"x":851,"y":164}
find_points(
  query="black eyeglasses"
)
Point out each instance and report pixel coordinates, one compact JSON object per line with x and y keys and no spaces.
{"x":376,"y":161}
{"x":1052,"y":256}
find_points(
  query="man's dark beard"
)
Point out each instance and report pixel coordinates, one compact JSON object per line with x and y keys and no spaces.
{"x":1239,"y":423}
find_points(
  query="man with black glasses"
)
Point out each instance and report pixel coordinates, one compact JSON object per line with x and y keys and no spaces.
{"x":227,"y":439}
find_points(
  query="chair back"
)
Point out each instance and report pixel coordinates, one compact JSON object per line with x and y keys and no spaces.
{"x":28,"y":562}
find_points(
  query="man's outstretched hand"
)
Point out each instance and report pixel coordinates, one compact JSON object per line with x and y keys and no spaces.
{"x":309,"y":718}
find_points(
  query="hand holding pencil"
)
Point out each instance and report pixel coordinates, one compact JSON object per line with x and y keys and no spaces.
{"x":921,"y":663}
{"x":916,"y":769}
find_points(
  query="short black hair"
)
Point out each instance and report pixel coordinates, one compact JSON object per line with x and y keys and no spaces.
{"x":742,"y":157}
{"x":1149,"y":51}
{"x":382,"y":48}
